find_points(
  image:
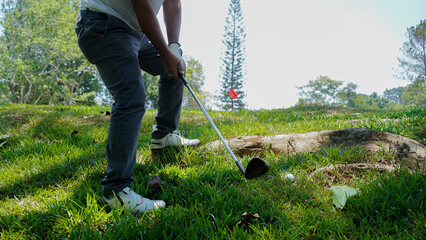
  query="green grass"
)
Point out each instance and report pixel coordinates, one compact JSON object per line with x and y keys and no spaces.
{"x":52,"y":164}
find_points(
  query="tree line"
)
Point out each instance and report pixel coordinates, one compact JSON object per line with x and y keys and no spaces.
{"x":412,"y":67}
{"x":41,"y":63}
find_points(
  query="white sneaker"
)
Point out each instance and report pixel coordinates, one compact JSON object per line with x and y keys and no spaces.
{"x":134,"y":202}
{"x":173,"y":140}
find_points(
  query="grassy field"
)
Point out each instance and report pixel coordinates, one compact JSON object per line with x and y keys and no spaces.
{"x":54,"y":159}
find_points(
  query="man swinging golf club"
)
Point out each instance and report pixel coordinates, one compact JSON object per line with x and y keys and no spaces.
{"x":121,"y":37}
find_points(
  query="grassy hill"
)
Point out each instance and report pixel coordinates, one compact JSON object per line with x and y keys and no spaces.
{"x":54,"y":159}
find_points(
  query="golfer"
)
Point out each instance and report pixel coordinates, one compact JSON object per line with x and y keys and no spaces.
{"x":121,"y":37}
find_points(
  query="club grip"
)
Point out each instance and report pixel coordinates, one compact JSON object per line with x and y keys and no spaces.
{"x":183,"y":79}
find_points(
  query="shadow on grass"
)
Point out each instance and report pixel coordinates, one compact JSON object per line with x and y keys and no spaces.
{"x":50,"y":177}
{"x":49,"y":222}
{"x":216,"y":212}
{"x":224,"y":202}
{"x":395,"y":202}
{"x":54,"y":139}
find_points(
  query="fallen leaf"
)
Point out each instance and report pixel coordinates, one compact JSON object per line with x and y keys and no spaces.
{"x":3,"y":140}
{"x":155,"y":184}
{"x":4,"y":137}
{"x":341,"y":194}
{"x":246,"y":219}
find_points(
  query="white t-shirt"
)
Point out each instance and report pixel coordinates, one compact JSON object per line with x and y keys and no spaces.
{"x":122,"y":9}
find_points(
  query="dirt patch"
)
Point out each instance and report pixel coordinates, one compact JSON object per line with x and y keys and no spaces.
{"x":355,"y":168}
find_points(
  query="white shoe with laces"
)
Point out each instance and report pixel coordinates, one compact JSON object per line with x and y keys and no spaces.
{"x":133,"y":202}
{"x":173,"y":140}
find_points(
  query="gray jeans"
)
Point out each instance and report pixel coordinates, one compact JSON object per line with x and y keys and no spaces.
{"x":119,"y":53}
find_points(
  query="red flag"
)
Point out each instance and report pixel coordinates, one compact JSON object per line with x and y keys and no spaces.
{"x":232,"y":94}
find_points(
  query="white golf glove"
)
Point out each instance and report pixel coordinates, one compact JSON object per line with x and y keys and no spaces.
{"x":174,"y":47}
{"x":156,"y":5}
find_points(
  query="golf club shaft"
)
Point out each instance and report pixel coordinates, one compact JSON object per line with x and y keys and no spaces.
{"x":213,"y":125}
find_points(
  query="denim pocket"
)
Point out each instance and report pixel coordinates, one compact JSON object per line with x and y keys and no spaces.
{"x":91,"y":27}
{"x":96,"y":22}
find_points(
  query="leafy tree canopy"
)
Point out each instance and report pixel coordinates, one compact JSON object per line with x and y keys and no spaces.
{"x":413,"y":63}
{"x":328,"y":91}
{"x":40,"y":59}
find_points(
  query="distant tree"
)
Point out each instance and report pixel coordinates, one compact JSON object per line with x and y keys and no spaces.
{"x":372,"y":102}
{"x":322,"y":89}
{"x":347,"y":95}
{"x":232,"y":70}
{"x":415,"y":93}
{"x":375,"y":101}
{"x":394,"y":94}
{"x":196,"y":78}
{"x":151,"y":90}
{"x":413,"y":63}
{"x":40,"y":59}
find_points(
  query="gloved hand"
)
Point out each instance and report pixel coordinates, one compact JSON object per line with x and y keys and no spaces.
{"x":174,"y":47}
{"x":156,"y":5}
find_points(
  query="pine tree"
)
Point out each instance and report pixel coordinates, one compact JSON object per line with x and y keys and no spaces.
{"x":232,"y":71}
{"x":413,"y":63}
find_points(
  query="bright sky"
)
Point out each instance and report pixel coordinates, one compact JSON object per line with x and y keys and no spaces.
{"x":292,"y":42}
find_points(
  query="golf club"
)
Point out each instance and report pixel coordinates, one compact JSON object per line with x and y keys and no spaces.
{"x":255,"y":168}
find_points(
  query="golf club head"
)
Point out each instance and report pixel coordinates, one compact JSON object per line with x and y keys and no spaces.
{"x":256,"y":168}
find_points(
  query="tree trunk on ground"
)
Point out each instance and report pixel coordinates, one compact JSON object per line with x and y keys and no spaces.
{"x":409,"y":152}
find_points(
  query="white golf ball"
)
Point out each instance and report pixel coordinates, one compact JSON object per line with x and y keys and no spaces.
{"x":289,"y":177}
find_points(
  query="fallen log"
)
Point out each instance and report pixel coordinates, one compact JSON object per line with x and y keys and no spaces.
{"x":409,"y":152}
